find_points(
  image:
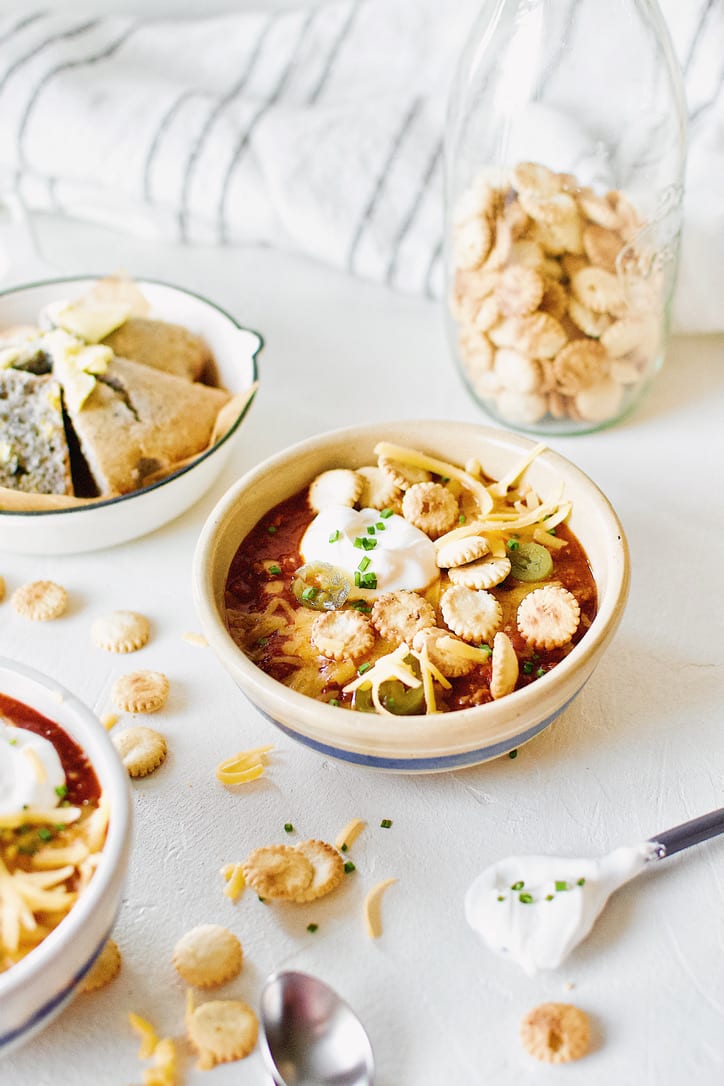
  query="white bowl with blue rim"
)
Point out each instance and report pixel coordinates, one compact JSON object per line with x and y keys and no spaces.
{"x":417,"y":744}
{"x":35,"y":990}
{"x":110,"y":521}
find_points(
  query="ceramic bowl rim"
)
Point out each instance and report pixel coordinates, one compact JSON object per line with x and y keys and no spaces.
{"x":106,"y":502}
{"x":517,"y":708}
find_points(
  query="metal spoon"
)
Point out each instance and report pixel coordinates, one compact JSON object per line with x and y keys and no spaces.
{"x":310,"y":1036}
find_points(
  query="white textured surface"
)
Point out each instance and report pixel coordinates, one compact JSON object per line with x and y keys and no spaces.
{"x":640,"y":750}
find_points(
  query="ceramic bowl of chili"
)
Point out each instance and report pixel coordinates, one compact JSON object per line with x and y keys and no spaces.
{"x":431,"y":742}
{"x":36,"y":988}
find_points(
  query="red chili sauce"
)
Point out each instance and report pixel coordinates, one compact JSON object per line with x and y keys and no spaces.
{"x":80,"y":777}
{"x":276,"y":539}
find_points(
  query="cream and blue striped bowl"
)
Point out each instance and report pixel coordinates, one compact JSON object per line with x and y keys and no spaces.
{"x":417,"y":744}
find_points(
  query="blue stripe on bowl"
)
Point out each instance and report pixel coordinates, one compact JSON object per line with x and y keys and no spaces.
{"x":425,"y":765}
{"x":53,"y":1003}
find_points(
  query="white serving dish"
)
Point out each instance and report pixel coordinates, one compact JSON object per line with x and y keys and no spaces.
{"x":37,"y":988}
{"x":420,"y":743}
{"x":116,"y":520}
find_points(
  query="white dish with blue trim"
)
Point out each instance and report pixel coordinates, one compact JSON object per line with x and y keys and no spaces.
{"x":37,"y":988}
{"x":108,"y":522}
{"x":418,"y":744}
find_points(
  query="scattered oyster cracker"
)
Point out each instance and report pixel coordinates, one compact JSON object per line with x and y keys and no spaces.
{"x":40,"y":601}
{"x":142,"y":750}
{"x":121,"y":631}
{"x":207,"y":956}
{"x":105,"y":968}
{"x":555,"y":1032}
{"x":140,"y":692}
{"x":221,"y":1031}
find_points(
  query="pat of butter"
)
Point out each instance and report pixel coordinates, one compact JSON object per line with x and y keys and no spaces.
{"x":76,"y":365}
{"x":91,"y":321}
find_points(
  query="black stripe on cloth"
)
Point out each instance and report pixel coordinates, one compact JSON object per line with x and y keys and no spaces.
{"x":58,"y":36}
{"x":703,"y":19}
{"x":407,"y":222}
{"x":26,"y":21}
{"x":158,"y":135}
{"x":436,"y":254}
{"x":407,"y":122}
{"x":216,"y":111}
{"x":333,"y":54}
{"x":243,"y":143}
{"x":66,"y":66}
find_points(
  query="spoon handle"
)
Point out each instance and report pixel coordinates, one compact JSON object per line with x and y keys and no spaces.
{"x":689,"y":833}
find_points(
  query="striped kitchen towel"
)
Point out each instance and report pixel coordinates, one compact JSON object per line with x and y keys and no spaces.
{"x":317,"y":130}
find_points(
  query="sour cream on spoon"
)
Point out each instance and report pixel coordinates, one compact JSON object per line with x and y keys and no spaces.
{"x":536,"y":909}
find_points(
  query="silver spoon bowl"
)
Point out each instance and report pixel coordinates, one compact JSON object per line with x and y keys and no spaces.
{"x":310,"y":1036}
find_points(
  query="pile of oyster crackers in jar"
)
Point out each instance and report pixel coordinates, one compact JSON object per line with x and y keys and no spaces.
{"x":558,"y":312}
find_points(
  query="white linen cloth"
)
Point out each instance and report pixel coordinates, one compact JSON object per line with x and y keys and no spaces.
{"x":317,"y":129}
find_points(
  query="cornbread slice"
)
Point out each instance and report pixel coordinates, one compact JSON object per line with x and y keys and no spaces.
{"x":34,"y":453}
{"x":138,"y":421}
{"x":162,"y":345}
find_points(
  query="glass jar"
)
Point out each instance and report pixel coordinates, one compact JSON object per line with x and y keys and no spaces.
{"x":565,"y":152}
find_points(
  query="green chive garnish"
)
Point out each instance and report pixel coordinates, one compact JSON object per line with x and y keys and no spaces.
{"x":518,"y":885}
{"x":462,"y":518}
{"x":12,"y":742}
{"x":312,"y":928}
{"x":358,"y":542}
{"x":263,"y":900}
{"x":288,"y":827}
{"x":380,"y":526}
{"x":540,"y":672}
{"x":263,"y":642}
{"x":357,"y":579}
{"x":45,"y":834}
{"x":335,"y":535}
{"x":551,"y":531}
{"x":371,"y":529}
{"x":334,"y":701}
{"x":344,"y":848}
{"x":500,"y":897}
{"x":561,"y":885}
{"x":386,"y":513}
{"x":526,"y":899}
{"x":310,"y":593}
{"x":581,"y":882}
{"x":528,"y":667}
{"x":486,"y":648}
{"x":349,"y":867}
{"x":363,"y":667}
{"x":513,"y":753}
{"x":272,"y":529}
{"x":549,"y":897}
{"x":61,"y":790}
{"x":368,"y":580}
{"x":275,"y":569}
{"x":364,"y":564}
{"x":386,"y":823}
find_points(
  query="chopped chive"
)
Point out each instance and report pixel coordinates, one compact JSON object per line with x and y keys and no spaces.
{"x":349,"y":867}
{"x":61,"y":790}
{"x":535,"y":656}
{"x":391,"y":704}
{"x":12,"y":742}
{"x":369,"y":544}
{"x":549,"y":897}
{"x":560,"y":885}
{"x":380,"y":526}
{"x":275,"y":569}
{"x":540,"y":672}
{"x":518,"y":885}
{"x":335,"y":535}
{"x":333,"y":701}
{"x":288,"y":827}
{"x":386,"y":513}
{"x":358,"y":542}
{"x":486,"y":648}
{"x":462,"y":518}
{"x":45,"y":834}
{"x":363,"y":667}
{"x":581,"y":882}
{"x":512,"y":544}
{"x":310,"y":593}
{"x":272,"y":529}
{"x":371,"y":529}
{"x":262,"y":899}
{"x":344,"y":848}
{"x":27,"y":850}
{"x":364,"y":564}
{"x":263,"y":642}
{"x":501,"y":897}
{"x":551,"y":531}
{"x":528,"y":667}
{"x":368,"y":580}
{"x":357,"y":579}
{"x":513,"y":753}
{"x":60,"y":826}
{"x":360,"y":605}
{"x":312,"y":928}
{"x":444,"y":478}
{"x":526,"y":899}
{"x":386,"y":823}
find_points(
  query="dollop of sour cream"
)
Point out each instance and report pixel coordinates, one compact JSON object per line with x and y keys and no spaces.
{"x":536,"y":909}
{"x":402,"y":557}
{"x":30,"y":770}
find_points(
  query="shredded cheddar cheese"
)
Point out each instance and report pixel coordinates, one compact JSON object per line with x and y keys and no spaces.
{"x":235,"y":881}
{"x":36,"y":816}
{"x":349,"y":834}
{"x":148,"y":1035}
{"x":373,"y":921}
{"x":417,"y":459}
{"x":245,"y":766}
